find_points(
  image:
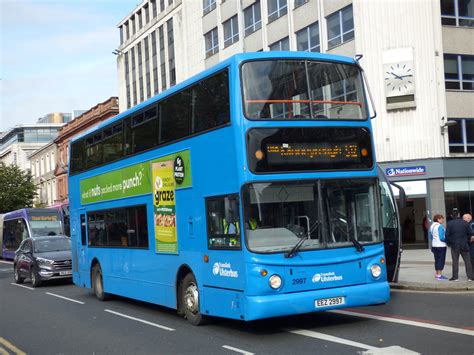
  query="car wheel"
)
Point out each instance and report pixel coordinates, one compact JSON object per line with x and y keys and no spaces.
{"x":35,"y":279}
{"x":16,"y":273}
{"x":97,"y":284}
{"x":190,"y":301}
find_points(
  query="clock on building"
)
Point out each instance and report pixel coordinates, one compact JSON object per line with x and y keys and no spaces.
{"x":399,"y":79}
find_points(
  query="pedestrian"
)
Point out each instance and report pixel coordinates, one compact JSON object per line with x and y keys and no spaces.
{"x":438,"y":245}
{"x":468,"y":219}
{"x":458,"y":234}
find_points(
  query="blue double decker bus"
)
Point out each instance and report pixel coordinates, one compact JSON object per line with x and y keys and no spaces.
{"x":248,"y":191}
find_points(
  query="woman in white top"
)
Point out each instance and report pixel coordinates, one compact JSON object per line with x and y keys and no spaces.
{"x":438,"y":245}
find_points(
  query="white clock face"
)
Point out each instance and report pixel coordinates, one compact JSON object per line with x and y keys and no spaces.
{"x":399,"y":79}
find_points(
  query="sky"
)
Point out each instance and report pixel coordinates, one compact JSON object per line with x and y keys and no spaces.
{"x":56,"y":56}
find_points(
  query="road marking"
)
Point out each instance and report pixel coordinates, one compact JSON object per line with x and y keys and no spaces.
{"x":29,"y":288}
{"x":372,"y":350}
{"x":64,"y":298}
{"x":10,"y":346}
{"x":6,"y":262}
{"x":139,"y":320}
{"x":237,"y":350}
{"x":407,"y":322}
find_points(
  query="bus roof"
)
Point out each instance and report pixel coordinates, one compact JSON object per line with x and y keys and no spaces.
{"x":23,"y":212}
{"x":233,"y":60}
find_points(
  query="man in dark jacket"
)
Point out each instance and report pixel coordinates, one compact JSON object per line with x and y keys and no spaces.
{"x":458,"y":233}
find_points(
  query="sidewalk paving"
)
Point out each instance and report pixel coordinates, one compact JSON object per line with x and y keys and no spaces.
{"x":417,"y":273}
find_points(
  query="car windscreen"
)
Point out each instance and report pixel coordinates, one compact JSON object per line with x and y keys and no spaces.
{"x":52,"y":244}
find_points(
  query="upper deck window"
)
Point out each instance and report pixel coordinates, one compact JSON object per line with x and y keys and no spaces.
{"x":301,"y":89}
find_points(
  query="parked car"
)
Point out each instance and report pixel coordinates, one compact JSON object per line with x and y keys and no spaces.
{"x":43,"y":258}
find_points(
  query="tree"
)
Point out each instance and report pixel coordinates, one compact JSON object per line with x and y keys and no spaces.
{"x":16,"y":188}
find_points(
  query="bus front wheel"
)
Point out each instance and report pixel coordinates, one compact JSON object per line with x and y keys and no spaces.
{"x":97,"y":283}
{"x":190,"y":300}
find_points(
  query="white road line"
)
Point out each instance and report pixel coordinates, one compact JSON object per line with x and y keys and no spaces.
{"x":64,"y":298}
{"x":6,"y":262}
{"x":139,"y":320}
{"x":237,"y":350}
{"x":408,"y":322}
{"x":372,"y":350}
{"x":29,"y":288}
{"x":316,"y":335}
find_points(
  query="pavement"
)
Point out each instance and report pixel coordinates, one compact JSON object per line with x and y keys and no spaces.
{"x":417,"y":273}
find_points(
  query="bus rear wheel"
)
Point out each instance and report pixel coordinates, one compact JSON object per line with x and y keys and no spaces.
{"x":190,"y":301}
{"x":97,"y":284}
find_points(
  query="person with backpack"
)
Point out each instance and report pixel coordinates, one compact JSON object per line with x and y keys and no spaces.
{"x":438,"y":245}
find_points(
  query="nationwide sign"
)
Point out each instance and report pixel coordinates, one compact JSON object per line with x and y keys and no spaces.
{"x":406,"y":171}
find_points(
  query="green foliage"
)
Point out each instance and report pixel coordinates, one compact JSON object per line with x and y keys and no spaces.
{"x":16,"y":188}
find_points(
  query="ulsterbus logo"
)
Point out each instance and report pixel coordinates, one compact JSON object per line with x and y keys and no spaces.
{"x":224,"y":269}
{"x":326,"y":277}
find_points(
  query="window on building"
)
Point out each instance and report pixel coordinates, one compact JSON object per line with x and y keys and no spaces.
{"x":276,"y":9}
{"x":127,"y":30}
{"x":307,"y":39}
{"x":119,"y":227}
{"x":231,"y":31}
{"x":459,"y":72}
{"x":162,"y":5}
{"x":147,"y":14}
{"x":121,"y":34}
{"x":132,"y":26}
{"x":461,"y":136}
{"x":281,"y":45}
{"x":147,"y":67}
{"x":299,"y":3}
{"x":208,"y":6}
{"x":457,"y":13}
{"x":162,"y":57}
{"x":127,"y":80}
{"x":340,"y":27}
{"x":252,"y":18}
{"x":140,"y":71}
{"x":171,"y":58}
{"x":134,"y":78}
{"x":154,"y":59}
{"x":140,"y":23}
{"x":153,"y":6}
{"x":212,"y":42}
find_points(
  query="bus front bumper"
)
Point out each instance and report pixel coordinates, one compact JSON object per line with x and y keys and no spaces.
{"x":277,"y":305}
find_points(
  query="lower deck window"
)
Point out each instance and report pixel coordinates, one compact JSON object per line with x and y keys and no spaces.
{"x":119,"y":227}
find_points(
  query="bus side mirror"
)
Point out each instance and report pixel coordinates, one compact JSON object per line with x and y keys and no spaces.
{"x":402,"y":197}
{"x":231,"y":205}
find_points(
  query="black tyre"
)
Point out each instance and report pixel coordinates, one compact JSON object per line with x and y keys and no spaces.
{"x":190,"y":301}
{"x":35,"y":279}
{"x":97,"y":283}
{"x":16,"y":274}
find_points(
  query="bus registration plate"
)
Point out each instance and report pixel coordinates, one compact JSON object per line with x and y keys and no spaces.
{"x":327,"y":302}
{"x":67,"y":272}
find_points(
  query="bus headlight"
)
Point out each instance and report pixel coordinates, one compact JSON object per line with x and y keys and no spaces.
{"x":275,"y":282}
{"x":376,"y":270}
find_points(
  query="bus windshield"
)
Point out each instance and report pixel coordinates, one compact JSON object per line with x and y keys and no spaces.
{"x":302,"y":89}
{"x":42,"y":228}
{"x":327,"y":213}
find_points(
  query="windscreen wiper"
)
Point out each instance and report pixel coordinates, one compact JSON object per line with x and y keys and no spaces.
{"x":357,"y":245}
{"x":295,"y":249}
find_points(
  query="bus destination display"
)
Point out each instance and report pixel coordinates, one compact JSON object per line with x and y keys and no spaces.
{"x":305,"y":153}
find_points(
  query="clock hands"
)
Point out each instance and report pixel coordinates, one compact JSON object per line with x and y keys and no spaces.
{"x":400,"y":77}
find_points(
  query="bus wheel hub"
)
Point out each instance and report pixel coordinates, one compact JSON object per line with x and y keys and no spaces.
{"x":191,"y":298}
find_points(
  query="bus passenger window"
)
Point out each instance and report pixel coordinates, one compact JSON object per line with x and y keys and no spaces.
{"x":223,"y":223}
